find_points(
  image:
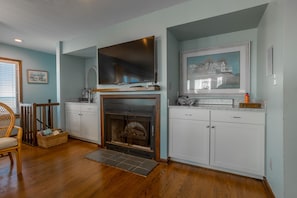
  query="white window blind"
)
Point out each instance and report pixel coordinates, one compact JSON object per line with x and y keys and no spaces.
{"x":9,"y":84}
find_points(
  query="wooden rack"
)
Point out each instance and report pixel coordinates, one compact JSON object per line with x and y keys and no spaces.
{"x":36,"y":117}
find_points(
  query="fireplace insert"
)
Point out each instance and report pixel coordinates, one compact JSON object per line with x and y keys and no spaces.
{"x":129,"y":126}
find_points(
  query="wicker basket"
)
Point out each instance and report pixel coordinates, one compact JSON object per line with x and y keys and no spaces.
{"x":52,"y":140}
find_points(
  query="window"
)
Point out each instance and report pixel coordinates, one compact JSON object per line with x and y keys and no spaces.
{"x":11,"y":83}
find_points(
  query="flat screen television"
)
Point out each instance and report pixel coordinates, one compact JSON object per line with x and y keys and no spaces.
{"x":127,"y":63}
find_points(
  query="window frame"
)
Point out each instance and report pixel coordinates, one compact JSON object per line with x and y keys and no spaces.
{"x":18,"y":63}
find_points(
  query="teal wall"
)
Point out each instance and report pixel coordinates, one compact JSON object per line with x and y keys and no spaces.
{"x":270,"y":33}
{"x":72,"y":86}
{"x":156,"y":23}
{"x":72,"y":81}
{"x":276,"y":29}
{"x":38,"y":93}
{"x":173,"y":60}
{"x":290,"y":98}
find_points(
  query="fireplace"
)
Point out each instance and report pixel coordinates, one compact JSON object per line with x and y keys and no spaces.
{"x":130,"y":124}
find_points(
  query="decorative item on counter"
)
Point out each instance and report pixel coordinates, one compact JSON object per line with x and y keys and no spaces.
{"x":87,"y":95}
{"x":84,"y":93}
{"x":250,"y":105}
{"x":90,"y":96}
{"x":246,"y":98}
{"x":185,"y":100}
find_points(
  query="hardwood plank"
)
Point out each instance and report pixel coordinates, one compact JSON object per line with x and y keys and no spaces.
{"x":63,"y":171}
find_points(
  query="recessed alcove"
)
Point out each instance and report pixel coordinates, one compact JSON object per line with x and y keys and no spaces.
{"x":231,"y":22}
{"x":218,"y":31}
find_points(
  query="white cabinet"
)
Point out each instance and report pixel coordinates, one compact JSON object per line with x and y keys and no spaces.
{"x":226,"y":140}
{"x":72,"y":119}
{"x":238,"y":141}
{"x":189,"y":135}
{"x":82,"y":121}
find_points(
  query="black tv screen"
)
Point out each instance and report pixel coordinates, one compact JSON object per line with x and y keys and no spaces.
{"x":126,"y":63}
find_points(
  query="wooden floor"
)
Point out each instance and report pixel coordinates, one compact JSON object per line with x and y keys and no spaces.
{"x":63,"y":171}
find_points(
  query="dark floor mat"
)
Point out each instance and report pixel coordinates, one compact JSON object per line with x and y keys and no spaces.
{"x":137,"y":165}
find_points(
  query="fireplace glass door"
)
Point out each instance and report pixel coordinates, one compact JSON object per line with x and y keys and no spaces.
{"x":130,"y":129}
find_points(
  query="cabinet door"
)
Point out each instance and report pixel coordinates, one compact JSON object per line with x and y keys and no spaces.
{"x":189,"y":140}
{"x":238,"y":147}
{"x":89,"y":123}
{"x":73,"y":123}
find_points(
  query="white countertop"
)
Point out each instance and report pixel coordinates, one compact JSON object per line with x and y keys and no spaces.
{"x":82,"y":103}
{"x":218,"y":107}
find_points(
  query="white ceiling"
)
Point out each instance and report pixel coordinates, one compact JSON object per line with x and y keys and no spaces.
{"x":42,"y":23}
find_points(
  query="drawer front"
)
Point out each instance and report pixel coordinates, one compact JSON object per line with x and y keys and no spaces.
{"x":72,"y":107}
{"x":89,"y":108}
{"x":238,"y":117}
{"x":189,"y":114}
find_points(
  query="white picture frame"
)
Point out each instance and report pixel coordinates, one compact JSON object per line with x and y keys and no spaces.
{"x":223,"y":70}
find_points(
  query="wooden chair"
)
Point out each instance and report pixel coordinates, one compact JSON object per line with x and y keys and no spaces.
{"x":8,"y":142}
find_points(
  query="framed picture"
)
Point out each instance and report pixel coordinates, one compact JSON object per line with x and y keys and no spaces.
{"x":224,"y":70}
{"x":37,"y":76}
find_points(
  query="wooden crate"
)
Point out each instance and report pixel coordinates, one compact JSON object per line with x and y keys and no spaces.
{"x":250,"y":105}
{"x":52,"y":140}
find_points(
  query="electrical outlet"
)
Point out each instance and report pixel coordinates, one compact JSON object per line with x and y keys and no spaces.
{"x":274,"y":79}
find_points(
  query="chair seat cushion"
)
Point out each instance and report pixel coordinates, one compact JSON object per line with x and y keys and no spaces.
{"x":6,"y":142}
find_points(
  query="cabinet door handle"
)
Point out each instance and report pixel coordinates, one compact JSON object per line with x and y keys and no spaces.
{"x":188,"y":114}
{"x":236,"y":117}
{"x":213,"y":127}
{"x":207,"y":126}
